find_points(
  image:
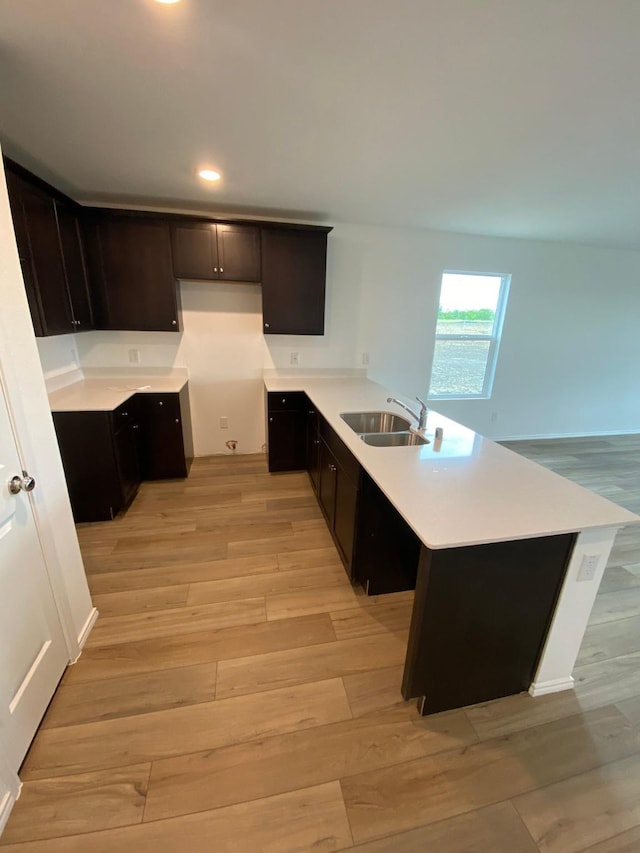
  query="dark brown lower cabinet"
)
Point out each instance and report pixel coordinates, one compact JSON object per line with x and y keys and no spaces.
{"x":100,"y":461}
{"x":105,"y":455}
{"x":480,"y":618}
{"x":161,"y":438}
{"x":287,"y":417}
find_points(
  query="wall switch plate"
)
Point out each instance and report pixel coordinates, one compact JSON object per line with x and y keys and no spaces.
{"x":224,"y":422}
{"x":294,"y":358}
{"x":134,"y":356}
{"x":588,"y":567}
{"x":365,"y":358}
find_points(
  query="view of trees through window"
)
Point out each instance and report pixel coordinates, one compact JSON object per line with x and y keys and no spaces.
{"x":467,"y":334}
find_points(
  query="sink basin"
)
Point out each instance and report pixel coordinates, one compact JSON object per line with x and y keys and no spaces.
{"x":379,"y":422}
{"x":394,"y":439}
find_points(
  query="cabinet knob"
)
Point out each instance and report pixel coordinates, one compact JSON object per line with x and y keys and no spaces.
{"x":284,"y":399}
{"x":177,"y":420}
{"x":316,"y":441}
{"x":332,"y":467}
{"x":160,"y":403}
{"x":266,"y":325}
{"x":215,"y":269}
{"x":221,"y":269}
{"x":270,"y":420}
{"x":124,"y":414}
{"x":136,"y":426}
{"x":174,"y":322}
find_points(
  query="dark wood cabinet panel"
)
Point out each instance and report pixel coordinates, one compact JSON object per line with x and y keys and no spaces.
{"x":24,"y":252}
{"x":195,"y":251}
{"x":293,"y":281}
{"x":40,"y":241}
{"x":313,"y":449}
{"x":131,"y":269}
{"x":126,"y":453}
{"x":216,"y":252}
{"x":327,"y":489}
{"x":480,"y":618}
{"x":75,"y":267}
{"x":239,"y":253}
{"x":161,"y":444}
{"x":86,"y":442}
{"x":345,"y":517}
{"x":287,"y":440}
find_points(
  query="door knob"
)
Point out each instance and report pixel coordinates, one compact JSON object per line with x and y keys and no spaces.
{"x":21,"y":484}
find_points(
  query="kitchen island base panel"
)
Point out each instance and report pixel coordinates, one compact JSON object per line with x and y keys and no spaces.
{"x":480,"y":618}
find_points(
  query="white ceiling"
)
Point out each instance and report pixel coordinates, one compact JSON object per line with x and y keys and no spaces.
{"x":503,"y":117}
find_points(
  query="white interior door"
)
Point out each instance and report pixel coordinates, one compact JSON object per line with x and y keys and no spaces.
{"x":33,"y":652}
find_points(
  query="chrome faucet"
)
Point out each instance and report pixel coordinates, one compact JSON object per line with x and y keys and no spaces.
{"x":421,"y":418}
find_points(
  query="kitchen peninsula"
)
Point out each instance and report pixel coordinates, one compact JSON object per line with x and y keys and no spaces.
{"x":509,"y":555}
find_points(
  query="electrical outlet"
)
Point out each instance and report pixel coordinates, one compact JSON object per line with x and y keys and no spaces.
{"x":224,"y":422}
{"x":365,"y":358}
{"x":134,"y":356}
{"x":588,"y":567}
{"x":494,"y":417}
{"x":294,"y":358}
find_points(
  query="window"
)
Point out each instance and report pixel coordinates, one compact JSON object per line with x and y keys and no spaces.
{"x":470,"y":317}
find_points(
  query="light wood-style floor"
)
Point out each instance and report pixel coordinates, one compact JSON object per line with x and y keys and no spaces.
{"x":238,"y":695}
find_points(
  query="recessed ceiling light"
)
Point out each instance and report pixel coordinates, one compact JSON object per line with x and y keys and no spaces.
{"x":209,"y":175}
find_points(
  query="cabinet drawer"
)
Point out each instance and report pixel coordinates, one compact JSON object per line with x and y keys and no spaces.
{"x":287,"y":401}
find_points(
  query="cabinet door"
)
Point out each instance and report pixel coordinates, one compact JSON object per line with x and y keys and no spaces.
{"x":74,"y":266}
{"x":239,"y":252}
{"x":126,"y":451}
{"x":46,"y":258}
{"x":344,"y":524}
{"x":160,"y":438}
{"x":24,"y":252}
{"x":86,"y":446}
{"x":313,"y":449}
{"x":293,"y":281}
{"x":195,"y":251}
{"x":132,"y":265}
{"x":287,"y":440}
{"x":327,"y":490}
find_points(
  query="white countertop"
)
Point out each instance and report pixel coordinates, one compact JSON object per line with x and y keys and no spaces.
{"x":470,"y":491}
{"x":104,"y":391}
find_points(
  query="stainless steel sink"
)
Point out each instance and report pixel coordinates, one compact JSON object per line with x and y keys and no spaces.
{"x":394,"y":439}
{"x":378,"y":422}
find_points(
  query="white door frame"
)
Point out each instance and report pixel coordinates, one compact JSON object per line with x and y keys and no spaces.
{"x":24,"y":386}
{"x":10,"y":785}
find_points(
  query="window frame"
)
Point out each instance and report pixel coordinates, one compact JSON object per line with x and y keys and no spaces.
{"x":494,"y":338}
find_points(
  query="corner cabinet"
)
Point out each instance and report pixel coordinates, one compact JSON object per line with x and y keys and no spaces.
{"x":131,"y":271}
{"x":210,"y":251}
{"x":51,"y":257}
{"x":294,"y":265}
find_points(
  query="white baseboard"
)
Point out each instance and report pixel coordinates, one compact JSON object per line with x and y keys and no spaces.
{"x":8,"y":802}
{"x":541,"y":688}
{"x":86,"y":630}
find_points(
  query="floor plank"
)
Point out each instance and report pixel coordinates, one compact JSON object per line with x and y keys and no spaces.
{"x":592,"y":807}
{"x":282,"y":763}
{"x":315,"y":820}
{"x":419,"y":792}
{"x":177,"y":731}
{"x":76,"y":804}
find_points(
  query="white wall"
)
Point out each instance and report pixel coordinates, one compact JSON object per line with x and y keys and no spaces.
{"x":567,"y":363}
{"x":570,"y":347}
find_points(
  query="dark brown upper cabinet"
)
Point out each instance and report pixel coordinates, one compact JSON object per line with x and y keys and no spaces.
{"x":293,"y":280}
{"x":216,"y":252}
{"x":74,"y":266}
{"x":131,"y":271}
{"x":51,"y":257}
